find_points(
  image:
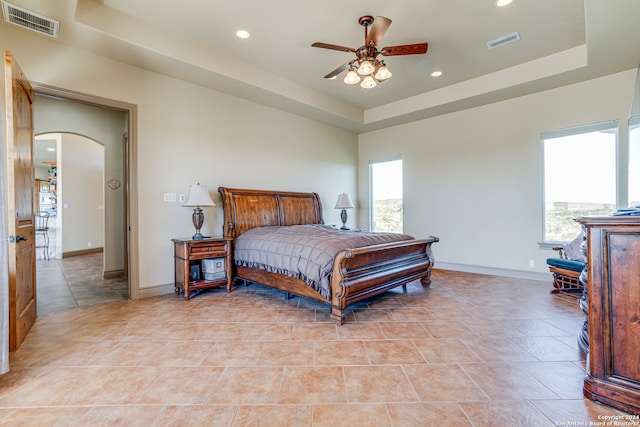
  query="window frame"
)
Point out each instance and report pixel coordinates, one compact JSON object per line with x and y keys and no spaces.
{"x":620,"y":184}
{"x":632,"y":124}
{"x":371,"y":201}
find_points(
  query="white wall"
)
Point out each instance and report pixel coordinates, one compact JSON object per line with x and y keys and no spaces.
{"x":188,"y":134}
{"x":474,"y":177}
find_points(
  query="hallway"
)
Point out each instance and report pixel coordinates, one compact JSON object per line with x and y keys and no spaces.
{"x":75,"y":282}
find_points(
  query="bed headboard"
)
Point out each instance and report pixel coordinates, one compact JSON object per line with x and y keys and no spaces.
{"x":246,"y":209}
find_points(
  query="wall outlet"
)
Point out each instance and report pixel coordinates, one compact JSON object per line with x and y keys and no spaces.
{"x":170,"y":197}
{"x":531,"y":263}
{"x":182,"y":198}
{"x":88,"y":244}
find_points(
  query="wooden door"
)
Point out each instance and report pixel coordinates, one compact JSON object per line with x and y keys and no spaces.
{"x":20,"y":201}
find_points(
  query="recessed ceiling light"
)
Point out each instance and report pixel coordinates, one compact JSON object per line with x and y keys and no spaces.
{"x":243,"y":34}
{"x":436,"y":74}
{"x":503,"y":3}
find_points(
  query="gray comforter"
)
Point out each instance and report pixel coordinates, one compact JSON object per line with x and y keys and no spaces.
{"x":303,"y":251}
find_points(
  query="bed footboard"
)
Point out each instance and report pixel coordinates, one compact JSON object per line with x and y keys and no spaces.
{"x":364,"y":272}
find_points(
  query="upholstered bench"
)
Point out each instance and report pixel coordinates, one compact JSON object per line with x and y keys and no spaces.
{"x":566,"y":274}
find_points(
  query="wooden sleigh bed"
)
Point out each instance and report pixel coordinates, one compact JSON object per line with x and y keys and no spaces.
{"x":357,"y":273}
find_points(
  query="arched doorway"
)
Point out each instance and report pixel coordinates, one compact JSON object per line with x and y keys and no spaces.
{"x":112,"y":123}
{"x":70,"y":258}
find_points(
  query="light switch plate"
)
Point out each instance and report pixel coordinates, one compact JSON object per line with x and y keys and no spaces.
{"x":170,"y":197}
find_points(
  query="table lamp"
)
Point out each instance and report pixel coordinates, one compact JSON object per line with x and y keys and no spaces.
{"x":344,"y":203}
{"x":198,"y":197}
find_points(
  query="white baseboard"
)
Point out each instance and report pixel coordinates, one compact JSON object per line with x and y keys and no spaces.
{"x":504,"y":272}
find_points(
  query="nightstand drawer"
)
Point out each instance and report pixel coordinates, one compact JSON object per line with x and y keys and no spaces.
{"x":209,"y":251}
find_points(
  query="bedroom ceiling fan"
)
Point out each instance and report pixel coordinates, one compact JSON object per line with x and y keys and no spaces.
{"x":366,"y":63}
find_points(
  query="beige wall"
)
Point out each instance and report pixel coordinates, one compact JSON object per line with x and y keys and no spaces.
{"x":106,"y":127}
{"x":41,"y":172}
{"x":474,"y":177}
{"x":188,"y":134}
{"x":81,"y":193}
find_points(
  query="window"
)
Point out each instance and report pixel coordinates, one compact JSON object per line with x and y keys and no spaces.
{"x":634,"y":161}
{"x":579,"y":177}
{"x":385,"y":176}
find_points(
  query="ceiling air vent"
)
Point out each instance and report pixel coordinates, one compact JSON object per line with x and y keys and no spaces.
{"x":30,"y":20}
{"x":501,"y":41}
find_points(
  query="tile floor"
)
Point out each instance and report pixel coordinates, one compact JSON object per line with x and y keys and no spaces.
{"x":471,"y":350}
{"x":74,"y":282}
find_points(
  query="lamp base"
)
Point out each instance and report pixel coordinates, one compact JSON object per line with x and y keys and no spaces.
{"x":198,"y":220}
{"x":343,"y":218}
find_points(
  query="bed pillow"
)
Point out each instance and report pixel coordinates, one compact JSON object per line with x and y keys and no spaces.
{"x":572,"y":249}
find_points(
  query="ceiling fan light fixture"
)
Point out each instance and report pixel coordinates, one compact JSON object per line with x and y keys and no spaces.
{"x":368,"y":83}
{"x":352,"y":77}
{"x":383,"y":73}
{"x":366,"y":68}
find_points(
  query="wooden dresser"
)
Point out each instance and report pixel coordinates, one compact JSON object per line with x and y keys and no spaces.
{"x":613,"y":364}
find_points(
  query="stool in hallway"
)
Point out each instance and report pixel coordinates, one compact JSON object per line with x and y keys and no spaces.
{"x":42,"y":229}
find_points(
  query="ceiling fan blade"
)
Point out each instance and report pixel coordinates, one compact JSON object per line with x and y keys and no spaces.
{"x":333,"y":47}
{"x":376,"y":30}
{"x":337,"y":71}
{"x":405,"y":49}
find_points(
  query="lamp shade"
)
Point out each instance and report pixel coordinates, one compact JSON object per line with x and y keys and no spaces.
{"x":351,"y":78}
{"x":344,"y":202}
{"x":365,"y":68}
{"x":383,"y":73}
{"x":197,"y":196}
{"x":368,"y":83}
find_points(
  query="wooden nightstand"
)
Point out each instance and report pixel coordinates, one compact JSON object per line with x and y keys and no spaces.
{"x":188,"y":258}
